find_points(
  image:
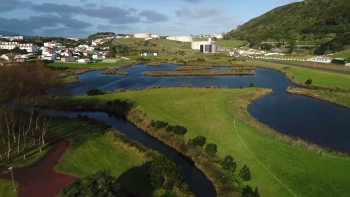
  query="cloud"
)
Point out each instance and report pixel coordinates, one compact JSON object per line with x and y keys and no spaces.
{"x":193,"y":1}
{"x":201,"y":12}
{"x":26,"y":26}
{"x":153,"y":16}
{"x":90,"y":5}
{"x":9,"y":5}
{"x":59,"y":32}
{"x":117,"y":28}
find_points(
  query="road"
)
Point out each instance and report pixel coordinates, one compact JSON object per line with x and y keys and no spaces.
{"x":301,"y":66}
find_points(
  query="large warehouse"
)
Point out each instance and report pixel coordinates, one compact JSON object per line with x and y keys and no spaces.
{"x":204,"y":47}
{"x":181,"y":38}
{"x":142,"y":35}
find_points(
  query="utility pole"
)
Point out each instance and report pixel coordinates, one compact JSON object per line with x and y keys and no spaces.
{"x":13,"y":180}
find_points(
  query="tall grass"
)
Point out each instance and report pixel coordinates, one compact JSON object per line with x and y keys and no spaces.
{"x":199,"y":73}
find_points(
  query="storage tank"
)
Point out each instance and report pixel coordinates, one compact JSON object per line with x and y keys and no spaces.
{"x":155,"y":36}
{"x":184,"y":38}
{"x":171,"y":38}
{"x":142,"y":35}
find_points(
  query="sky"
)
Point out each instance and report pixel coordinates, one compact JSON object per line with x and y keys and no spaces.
{"x":81,"y":18}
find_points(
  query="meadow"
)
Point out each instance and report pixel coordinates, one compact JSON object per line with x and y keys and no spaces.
{"x":83,"y":65}
{"x":342,"y":54}
{"x":278,"y":168}
{"x":319,"y":78}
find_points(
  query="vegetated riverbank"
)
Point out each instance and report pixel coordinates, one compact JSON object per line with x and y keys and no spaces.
{"x":310,"y":74}
{"x":192,"y":68}
{"x":72,"y":79}
{"x":198,"y":73}
{"x":154,"y":63}
{"x":115,"y":71}
{"x":202,"y":111}
{"x":339,"y":98}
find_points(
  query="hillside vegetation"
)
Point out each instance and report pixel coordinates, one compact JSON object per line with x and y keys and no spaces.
{"x":310,"y":20}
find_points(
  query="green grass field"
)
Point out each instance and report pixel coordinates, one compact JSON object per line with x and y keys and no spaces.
{"x":127,"y":40}
{"x":320,"y":78}
{"x":6,"y":189}
{"x":71,"y":79}
{"x":81,"y":65}
{"x":203,"y":112}
{"x":342,"y":54}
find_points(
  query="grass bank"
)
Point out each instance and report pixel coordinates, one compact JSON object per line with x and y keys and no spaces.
{"x":72,"y":79}
{"x":211,"y":113}
{"x":298,"y":76}
{"x":192,"y":68}
{"x":198,"y":73}
{"x":338,"y":98}
{"x":115,"y":71}
{"x":6,"y":189}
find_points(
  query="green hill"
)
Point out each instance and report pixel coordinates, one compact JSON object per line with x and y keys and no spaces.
{"x":309,"y":20}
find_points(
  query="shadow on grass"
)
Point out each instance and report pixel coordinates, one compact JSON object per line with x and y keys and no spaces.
{"x":136,"y":179}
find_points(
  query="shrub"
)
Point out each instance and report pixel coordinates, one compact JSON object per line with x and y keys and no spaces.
{"x":207,"y":87}
{"x":168,"y":194}
{"x":245,"y":173}
{"x":251,"y":85}
{"x":165,"y":174}
{"x":119,"y":90}
{"x":139,"y":89}
{"x":109,"y":103}
{"x":308,"y":82}
{"x":120,"y":103}
{"x":178,"y":130}
{"x":248,"y":192}
{"x":229,"y":164}
{"x":211,"y":149}
{"x":182,"y":86}
{"x":213,"y":87}
{"x":200,"y":60}
{"x":100,"y":184}
{"x":198,"y":141}
{"x":223,"y":87}
{"x":189,"y":86}
{"x":159,"y":87}
{"x":94,"y":92}
{"x":337,"y":61}
{"x":159,"y":124}
{"x":241,"y":87}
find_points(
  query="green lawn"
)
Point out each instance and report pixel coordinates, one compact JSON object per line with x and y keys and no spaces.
{"x":320,"y":78}
{"x":6,"y":188}
{"x":342,"y":54}
{"x":127,"y":40}
{"x":83,"y":65}
{"x":203,"y":112}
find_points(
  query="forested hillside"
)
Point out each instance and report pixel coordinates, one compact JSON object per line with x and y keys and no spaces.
{"x":308,"y":20}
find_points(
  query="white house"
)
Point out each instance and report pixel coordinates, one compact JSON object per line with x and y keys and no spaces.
{"x":68,"y":59}
{"x":84,"y":60}
{"x":8,"y":56}
{"x":98,"y":56}
{"x":29,"y":47}
{"x":320,"y":59}
{"x":52,"y":44}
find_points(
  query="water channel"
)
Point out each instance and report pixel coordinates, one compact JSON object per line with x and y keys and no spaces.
{"x":310,"y":119}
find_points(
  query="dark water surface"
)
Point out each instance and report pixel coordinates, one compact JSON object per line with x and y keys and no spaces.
{"x":317,"y":121}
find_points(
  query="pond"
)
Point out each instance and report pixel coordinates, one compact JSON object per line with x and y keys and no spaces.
{"x":317,"y":121}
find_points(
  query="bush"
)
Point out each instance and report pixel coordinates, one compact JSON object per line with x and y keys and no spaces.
{"x":178,"y":130}
{"x":251,"y":85}
{"x":94,"y":92}
{"x":248,"y":192}
{"x":168,"y":194}
{"x":198,"y":141}
{"x":308,"y":82}
{"x":100,"y":184}
{"x":159,"y":124}
{"x":245,"y":173}
{"x":189,"y":86}
{"x":229,"y":164}
{"x":241,"y":87}
{"x":200,"y":60}
{"x":211,"y":149}
{"x":109,"y":103}
{"x":119,"y":90}
{"x":165,"y":174}
{"x":336,"y":61}
{"x":207,"y":87}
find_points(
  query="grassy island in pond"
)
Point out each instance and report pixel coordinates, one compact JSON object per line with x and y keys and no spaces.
{"x":198,"y":73}
{"x":221,"y":116}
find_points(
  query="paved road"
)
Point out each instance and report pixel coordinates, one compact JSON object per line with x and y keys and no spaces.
{"x":298,"y":65}
{"x":40,"y":179}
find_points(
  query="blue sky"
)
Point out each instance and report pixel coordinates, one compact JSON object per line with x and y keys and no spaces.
{"x":80,"y":18}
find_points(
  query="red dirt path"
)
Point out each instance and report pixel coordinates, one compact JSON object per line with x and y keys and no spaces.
{"x":40,"y":179}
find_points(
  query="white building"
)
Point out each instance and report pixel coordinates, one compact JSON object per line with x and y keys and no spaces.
{"x":52,"y":44}
{"x":74,"y":39}
{"x":68,"y":59}
{"x":204,"y":47}
{"x":142,"y":35}
{"x":84,"y":60}
{"x":98,"y":56}
{"x":320,"y":59}
{"x":29,"y":47}
{"x":8,"y":56}
{"x":11,"y":38}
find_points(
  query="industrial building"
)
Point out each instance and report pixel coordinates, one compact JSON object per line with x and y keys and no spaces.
{"x":204,"y":47}
{"x":142,"y":35}
{"x":181,"y":38}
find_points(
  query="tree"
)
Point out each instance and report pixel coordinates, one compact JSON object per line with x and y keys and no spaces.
{"x":251,"y":85}
{"x":100,"y":184}
{"x":229,"y":164}
{"x":308,"y":82}
{"x":292,"y":44}
{"x":94,"y":92}
{"x":165,"y":174}
{"x":211,"y":149}
{"x":245,"y":173}
{"x":197,"y":141}
{"x":248,"y":192}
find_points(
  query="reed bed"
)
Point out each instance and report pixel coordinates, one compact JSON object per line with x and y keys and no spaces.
{"x":115,"y":71}
{"x":192,"y":68}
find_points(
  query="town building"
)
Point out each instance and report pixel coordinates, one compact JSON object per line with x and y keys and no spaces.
{"x":8,"y":57}
{"x":67,"y":59}
{"x":204,"y":46}
{"x":29,"y":47}
{"x":12,"y":38}
{"x":52,"y":44}
{"x":320,"y":59}
{"x":86,"y":60}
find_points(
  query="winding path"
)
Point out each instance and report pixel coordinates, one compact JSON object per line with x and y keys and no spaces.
{"x":41,"y":179}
